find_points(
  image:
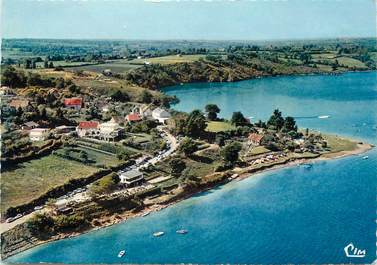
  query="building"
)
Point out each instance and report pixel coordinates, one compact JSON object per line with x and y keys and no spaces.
{"x":88,"y":129}
{"x":64,"y":129}
{"x":161,"y":115}
{"x":6,"y":92}
{"x":111,"y":130}
{"x":19,"y":103}
{"x":38,"y":134}
{"x":29,"y":125}
{"x":73,"y":103}
{"x":131,"y":178}
{"x":133,"y":117}
{"x":61,"y":207}
{"x":255,"y":139}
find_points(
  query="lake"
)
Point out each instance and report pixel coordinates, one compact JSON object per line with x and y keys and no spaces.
{"x":292,"y":215}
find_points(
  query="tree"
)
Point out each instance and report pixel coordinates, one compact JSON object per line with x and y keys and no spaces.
{"x":188,"y":146}
{"x":122,"y":155}
{"x":40,"y":224}
{"x":146,"y":97}
{"x":276,"y":120}
{"x":270,"y":141}
{"x":28,"y":64}
{"x":105,"y":185}
{"x":230,"y":152}
{"x":50,"y":99}
{"x":238,"y":119}
{"x":289,"y":125}
{"x":84,"y":156}
{"x":45,"y":64}
{"x":120,"y":96}
{"x":13,"y":78}
{"x":212,"y":110}
{"x":195,"y":124}
{"x":51,"y":65}
{"x":177,"y":166}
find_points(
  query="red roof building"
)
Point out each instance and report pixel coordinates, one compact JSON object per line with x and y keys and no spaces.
{"x":74,"y":103}
{"x":88,"y":125}
{"x":255,"y":138}
{"x":133,"y":117}
{"x":88,"y":128}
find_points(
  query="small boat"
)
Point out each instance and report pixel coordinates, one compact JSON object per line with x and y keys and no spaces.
{"x":121,"y":253}
{"x":365,"y":157}
{"x":145,"y":214}
{"x":324,"y":117}
{"x":181,"y":231}
{"x":157,"y":234}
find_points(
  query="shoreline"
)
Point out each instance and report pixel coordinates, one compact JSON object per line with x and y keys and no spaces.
{"x":123,"y":217}
{"x":163,"y":89}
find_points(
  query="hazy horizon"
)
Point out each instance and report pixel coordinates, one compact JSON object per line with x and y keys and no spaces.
{"x":209,"y":20}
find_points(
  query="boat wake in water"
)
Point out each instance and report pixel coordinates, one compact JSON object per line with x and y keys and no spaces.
{"x":313,"y":117}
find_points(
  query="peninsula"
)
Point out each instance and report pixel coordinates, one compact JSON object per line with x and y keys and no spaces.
{"x":89,"y":140}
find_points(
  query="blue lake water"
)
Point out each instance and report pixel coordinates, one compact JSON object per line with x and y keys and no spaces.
{"x":292,"y":215}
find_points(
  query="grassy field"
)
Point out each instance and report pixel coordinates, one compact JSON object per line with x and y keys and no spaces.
{"x":342,"y":60}
{"x":258,"y":150}
{"x":171,"y":59}
{"x":64,"y":63}
{"x":337,"y":144}
{"x":119,"y":67}
{"x":324,"y":56}
{"x":350,"y":62}
{"x":31,"y":179}
{"x":219,"y":126}
{"x":100,"y":158}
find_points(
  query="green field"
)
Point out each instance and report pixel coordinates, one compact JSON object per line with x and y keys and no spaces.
{"x":118,"y":67}
{"x":100,"y":158}
{"x":171,"y":59}
{"x":258,"y":150}
{"x":337,"y":144}
{"x":64,"y":63}
{"x":219,"y":126}
{"x":123,"y":66}
{"x":31,"y":179}
{"x":350,"y":62}
{"x":324,"y":56}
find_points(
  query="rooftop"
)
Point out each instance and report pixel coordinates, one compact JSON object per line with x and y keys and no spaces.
{"x":133,"y":117}
{"x":88,"y":125}
{"x":72,"y":101}
{"x":132,"y":174}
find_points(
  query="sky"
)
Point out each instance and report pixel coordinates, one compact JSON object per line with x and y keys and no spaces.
{"x":188,"y":19}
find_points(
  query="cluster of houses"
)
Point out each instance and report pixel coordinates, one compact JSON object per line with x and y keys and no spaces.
{"x":106,"y":131}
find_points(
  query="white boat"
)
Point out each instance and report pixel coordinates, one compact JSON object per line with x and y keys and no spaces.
{"x":181,"y":231}
{"x":145,"y":214}
{"x":324,"y":117}
{"x":157,"y":234}
{"x":365,"y":157}
{"x":121,"y":253}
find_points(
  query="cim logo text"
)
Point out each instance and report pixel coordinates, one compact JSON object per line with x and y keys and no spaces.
{"x":353,"y":252}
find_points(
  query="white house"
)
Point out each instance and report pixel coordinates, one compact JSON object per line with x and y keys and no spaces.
{"x":161,"y":115}
{"x":131,"y":178}
{"x":38,"y":134}
{"x":110,"y":130}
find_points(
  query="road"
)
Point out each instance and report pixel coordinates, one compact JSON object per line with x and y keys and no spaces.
{"x":143,"y":161}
